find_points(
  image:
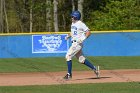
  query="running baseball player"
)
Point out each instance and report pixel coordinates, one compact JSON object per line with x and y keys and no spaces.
{"x":79,"y":33}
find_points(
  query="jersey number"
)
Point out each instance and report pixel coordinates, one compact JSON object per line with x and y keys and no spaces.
{"x":75,"y":32}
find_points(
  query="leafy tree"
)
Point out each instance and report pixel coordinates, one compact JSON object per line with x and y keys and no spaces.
{"x":98,"y":14}
{"x":116,"y":15}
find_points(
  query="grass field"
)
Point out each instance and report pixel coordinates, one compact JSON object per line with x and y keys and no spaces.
{"x":58,"y":64}
{"x":76,"y":88}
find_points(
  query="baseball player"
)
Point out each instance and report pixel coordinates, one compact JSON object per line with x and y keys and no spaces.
{"x":79,"y":33}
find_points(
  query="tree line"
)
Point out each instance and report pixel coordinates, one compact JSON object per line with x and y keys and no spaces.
{"x":24,"y":16}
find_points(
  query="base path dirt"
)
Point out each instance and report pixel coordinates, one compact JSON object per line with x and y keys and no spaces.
{"x":51,"y":78}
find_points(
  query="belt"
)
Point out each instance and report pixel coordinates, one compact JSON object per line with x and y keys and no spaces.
{"x":73,"y":41}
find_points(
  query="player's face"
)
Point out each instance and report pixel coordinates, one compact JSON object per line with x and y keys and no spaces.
{"x":73,"y":19}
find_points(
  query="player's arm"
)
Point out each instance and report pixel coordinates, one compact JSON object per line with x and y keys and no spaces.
{"x":87,"y":34}
{"x":68,"y":36}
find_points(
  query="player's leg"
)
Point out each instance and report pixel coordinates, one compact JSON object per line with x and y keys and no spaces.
{"x":84,"y":61}
{"x":69,"y":64}
{"x":71,"y":52}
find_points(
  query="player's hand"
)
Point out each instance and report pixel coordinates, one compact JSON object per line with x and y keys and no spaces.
{"x":82,"y":39}
{"x":67,"y":37}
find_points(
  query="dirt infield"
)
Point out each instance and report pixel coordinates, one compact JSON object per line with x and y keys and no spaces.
{"x":50,"y":78}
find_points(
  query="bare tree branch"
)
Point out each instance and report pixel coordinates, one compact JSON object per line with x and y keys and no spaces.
{"x":55,"y":2}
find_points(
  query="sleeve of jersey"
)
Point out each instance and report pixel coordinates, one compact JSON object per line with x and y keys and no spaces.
{"x":85,"y":28}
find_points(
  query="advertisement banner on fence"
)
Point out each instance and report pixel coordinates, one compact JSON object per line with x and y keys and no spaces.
{"x":54,"y":43}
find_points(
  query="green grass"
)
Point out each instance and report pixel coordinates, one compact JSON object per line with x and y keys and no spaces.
{"x":59,"y":64}
{"x":133,"y":87}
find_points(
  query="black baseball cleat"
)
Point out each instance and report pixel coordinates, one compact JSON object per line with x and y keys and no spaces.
{"x":68,"y":76}
{"x":97,"y":72}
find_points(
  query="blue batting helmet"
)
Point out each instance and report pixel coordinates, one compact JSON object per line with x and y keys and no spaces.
{"x":76,"y":15}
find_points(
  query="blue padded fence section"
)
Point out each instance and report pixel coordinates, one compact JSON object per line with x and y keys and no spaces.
{"x":113,"y":44}
{"x":98,"y":44}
